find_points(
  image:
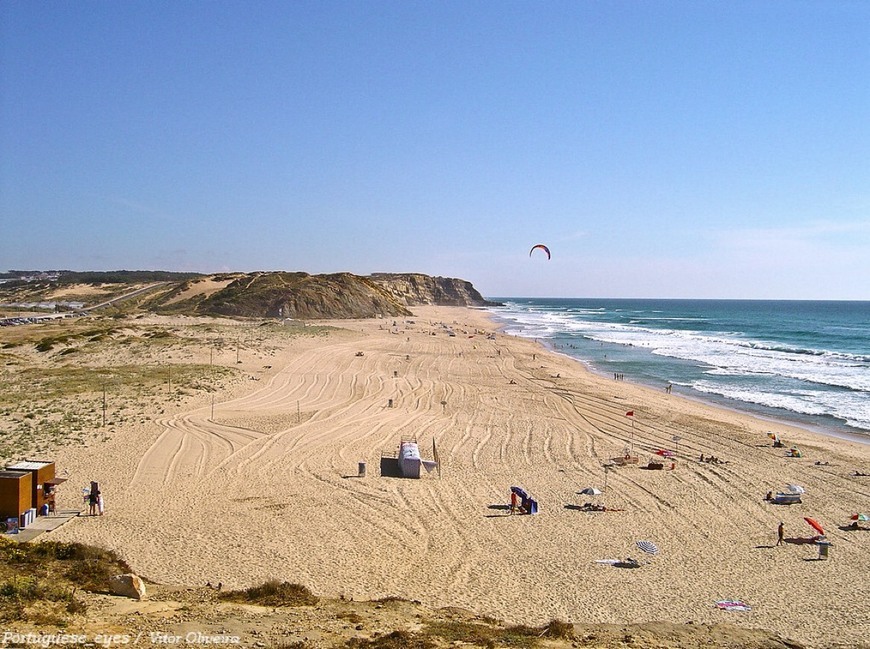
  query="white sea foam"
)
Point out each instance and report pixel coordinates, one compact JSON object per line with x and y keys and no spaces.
{"x":854,"y":411}
{"x":722,"y":354}
{"x":815,"y":382}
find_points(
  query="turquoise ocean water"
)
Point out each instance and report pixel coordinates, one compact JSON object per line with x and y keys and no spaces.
{"x":805,"y":362}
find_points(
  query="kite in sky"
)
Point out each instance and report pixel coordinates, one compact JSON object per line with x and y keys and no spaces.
{"x":542,"y":247}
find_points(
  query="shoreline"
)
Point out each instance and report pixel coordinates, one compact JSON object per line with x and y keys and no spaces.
{"x":765,"y":413}
{"x":742,"y":409}
{"x":268,"y":487}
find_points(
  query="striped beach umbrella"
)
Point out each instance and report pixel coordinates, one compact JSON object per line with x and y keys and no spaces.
{"x":648,"y":547}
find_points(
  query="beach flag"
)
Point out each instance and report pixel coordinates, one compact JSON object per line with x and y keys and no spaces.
{"x":630,"y":413}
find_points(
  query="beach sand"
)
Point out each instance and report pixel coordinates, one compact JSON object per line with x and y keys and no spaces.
{"x":270,"y":487}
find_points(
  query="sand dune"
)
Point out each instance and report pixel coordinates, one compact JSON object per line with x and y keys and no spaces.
{"x":267,"y":487}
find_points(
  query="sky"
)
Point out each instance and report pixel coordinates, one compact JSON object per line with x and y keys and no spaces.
{"x":661,"y":149}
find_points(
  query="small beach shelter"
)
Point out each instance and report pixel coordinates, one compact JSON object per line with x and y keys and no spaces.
{"x":528,"y":504}
{"x":16,"y":493}
{"x":42,"y":472}
{"x":591,"y":491}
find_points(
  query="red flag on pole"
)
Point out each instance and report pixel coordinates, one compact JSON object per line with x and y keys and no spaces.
{"x":630,"y":413}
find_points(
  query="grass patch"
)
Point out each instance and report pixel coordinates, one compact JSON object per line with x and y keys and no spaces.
{"x":484,"y":635}
{"x":38,"y":581}
{"x":273,"y":593}
{"x":392,"y":599}
{"x":86,"y":566}
{"x":559,"y":629}
{"x":394,"y":640}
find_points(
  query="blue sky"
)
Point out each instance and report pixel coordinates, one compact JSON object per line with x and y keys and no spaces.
{"x":660,"y":149}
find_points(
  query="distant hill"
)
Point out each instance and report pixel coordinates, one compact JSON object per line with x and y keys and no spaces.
{"x":338,"y":295}
{"x":295,"y":295}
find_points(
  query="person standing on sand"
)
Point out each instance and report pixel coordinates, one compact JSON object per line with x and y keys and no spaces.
{"x":780,"y":530}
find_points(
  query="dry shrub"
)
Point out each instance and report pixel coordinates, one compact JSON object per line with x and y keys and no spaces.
{"x":558,"y":629}
{"x":394,"y":640}
{"x":273,"y":593}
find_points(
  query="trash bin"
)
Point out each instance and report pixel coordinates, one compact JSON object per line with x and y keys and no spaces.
{"x":362,"y":469}
{"x":824,"y":549}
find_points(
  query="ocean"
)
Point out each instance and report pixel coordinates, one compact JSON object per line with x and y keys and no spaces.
{"x":803,"y":362}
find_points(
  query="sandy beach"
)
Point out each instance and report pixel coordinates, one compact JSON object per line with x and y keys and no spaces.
{"x":263,"y":482}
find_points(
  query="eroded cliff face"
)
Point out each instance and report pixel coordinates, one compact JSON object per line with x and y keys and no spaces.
{"x":415,"y":288}
{"x":334,"y":296}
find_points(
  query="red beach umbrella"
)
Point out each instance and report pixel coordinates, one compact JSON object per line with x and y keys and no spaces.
{"x":812,"y":522}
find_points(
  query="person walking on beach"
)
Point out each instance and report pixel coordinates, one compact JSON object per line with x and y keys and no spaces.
{"x":780,"y":533}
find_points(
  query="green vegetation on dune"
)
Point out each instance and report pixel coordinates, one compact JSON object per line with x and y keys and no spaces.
{"x":132,"y":380}
{"x":38,"y":581}
{"x":44,"y":408}
{"x":68,"y":277}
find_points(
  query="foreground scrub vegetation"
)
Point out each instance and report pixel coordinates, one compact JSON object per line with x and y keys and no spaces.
{"x":41,"y":583}
{"x":46,"y":587}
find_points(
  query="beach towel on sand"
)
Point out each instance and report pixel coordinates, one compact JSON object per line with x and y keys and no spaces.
{"x":732,"y":605}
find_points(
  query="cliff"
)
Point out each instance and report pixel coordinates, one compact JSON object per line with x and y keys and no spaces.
{"x":304,"y":296}
{"x":414,"y":288}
